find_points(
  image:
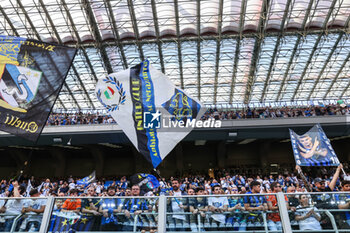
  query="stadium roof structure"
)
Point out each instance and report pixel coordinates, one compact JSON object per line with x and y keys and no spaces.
{"x":227,"y":53}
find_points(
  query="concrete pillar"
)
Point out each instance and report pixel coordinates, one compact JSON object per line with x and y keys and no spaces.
{"x":98,"y":155}
{"x":59,"y":158}
{"x":179,"y":158}
{"x":20,"y":158}
{"x":264,"y":153}
{"x":221,"y":154}
{"x":138,"y":160}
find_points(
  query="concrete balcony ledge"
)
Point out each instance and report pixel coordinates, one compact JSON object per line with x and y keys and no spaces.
{"x":271,"y":128}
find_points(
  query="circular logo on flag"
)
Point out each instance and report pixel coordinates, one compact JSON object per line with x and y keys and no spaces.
{"x":111,"y":93}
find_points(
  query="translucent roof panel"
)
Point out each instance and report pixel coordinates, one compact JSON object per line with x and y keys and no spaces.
{"x":224,"y":52}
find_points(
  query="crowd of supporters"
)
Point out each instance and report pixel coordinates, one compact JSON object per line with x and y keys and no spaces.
{"x":237,"y":211}
{"x":213,"y":113}
{"x":279,"y":112}
{"x":78,"y":119}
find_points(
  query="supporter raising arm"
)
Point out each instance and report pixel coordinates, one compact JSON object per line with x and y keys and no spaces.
{"x":320,"y":185}
{"x":333,"y":182}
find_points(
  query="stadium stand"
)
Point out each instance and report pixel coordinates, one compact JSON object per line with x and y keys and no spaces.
{"x":249,"y":203}
{"x":260,"y":66}
{"x":256,"y":113}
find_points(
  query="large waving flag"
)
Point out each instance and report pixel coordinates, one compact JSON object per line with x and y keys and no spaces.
{"x":88,"y":179}
{"x":313,"y":148}
{"x":152,"y":112}
{"x":31,"y":76}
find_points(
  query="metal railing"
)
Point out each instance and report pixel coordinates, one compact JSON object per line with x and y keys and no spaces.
{"x":161,"y":214}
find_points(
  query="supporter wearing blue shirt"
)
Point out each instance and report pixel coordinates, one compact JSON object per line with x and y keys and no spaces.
{"x":280,"y":180}
{"x":254,"y":203}
{"x":343,"y":201}
{"x":307,"y":112}
{"x":235,"y":206}
{"x":289,"y":181}
{"x":132,"y":207}
{"x":108,"y":207}
{"x":123,"y":183}
{"x":239,"y":181}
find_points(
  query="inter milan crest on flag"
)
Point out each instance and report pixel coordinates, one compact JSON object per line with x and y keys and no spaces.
{"x":147,"y":182}
{"x":152,"y":112}
{"x":31,"y":76}
{"x":313,"y":148}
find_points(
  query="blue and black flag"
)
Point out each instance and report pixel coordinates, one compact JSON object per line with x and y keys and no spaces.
{"x":31,"y":76}
{"x":147,"y":182}
{"x":88,"y":179}
{"x":313,"y":148}
{"x":63,"y":223}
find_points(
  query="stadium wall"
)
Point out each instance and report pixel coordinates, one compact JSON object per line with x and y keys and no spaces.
{"x":57,"y":162}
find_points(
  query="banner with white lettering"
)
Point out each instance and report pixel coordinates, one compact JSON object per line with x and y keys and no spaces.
{"x":153,"y":113}
{"x":313,"y":148}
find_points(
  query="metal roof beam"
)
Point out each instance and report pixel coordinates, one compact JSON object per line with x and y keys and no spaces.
{"x":71,"y":22}
{"x":313,"y":50}
{"x":336,"y":78}
{"x":179,"y":53}
{"x":238,"y":45}
{"x":306,"y":66}
{"x":223,"y":36}
{"x":275,"y":51}
{"x":136,"y":30}
{"x":295,"y":49}
{"x":38,"y":36}
{"x":73,"y":67}
{"x":8,"y":21}
{"x":325,"y":65}
{"x":199,"y":49}
{"x":71,"y":94}
{"x":96,"y":32}
{"x":256,"y":51}
{"x":156,"y":27}
{"x":32,"y":27}
{"x":218,"y":43}
{"x":347,"y":23}
{"x":116,"y":33}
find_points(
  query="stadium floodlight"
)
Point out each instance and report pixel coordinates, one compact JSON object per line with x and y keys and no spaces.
{"x":232,"y":134}
{"x":200,"y":142}
{"x":57,"y":140}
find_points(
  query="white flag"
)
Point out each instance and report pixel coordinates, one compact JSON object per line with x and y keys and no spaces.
{"x":152,"y":112}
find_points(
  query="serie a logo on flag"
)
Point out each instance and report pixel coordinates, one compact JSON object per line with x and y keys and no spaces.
{"x":152,"y":120}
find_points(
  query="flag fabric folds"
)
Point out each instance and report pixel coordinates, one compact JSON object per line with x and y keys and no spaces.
{"x":149,"y":109}
{"x":146,"y":182}
{"x":31,"y":76}
{"x":62,"y":222}
{"x":88,"y":179}
{"x":29,"y":188}
{"x":313,"y":148}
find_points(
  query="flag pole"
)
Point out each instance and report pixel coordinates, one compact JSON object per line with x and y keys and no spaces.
{"x":157,"y":172}
{"x":18,"y":176}
{"x":343,"y":171}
